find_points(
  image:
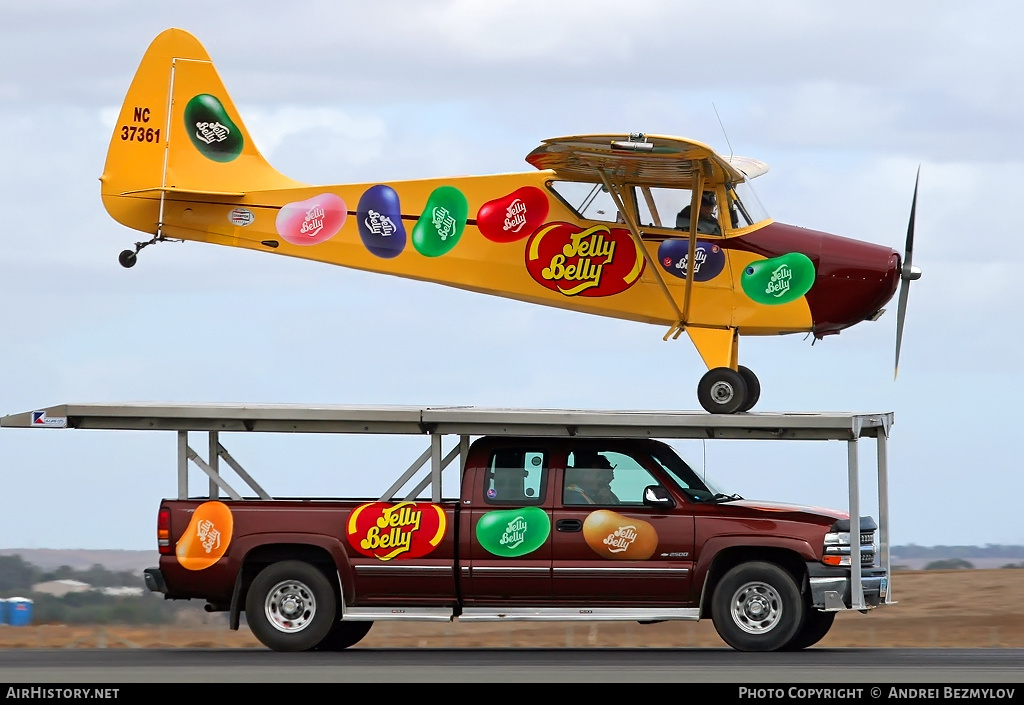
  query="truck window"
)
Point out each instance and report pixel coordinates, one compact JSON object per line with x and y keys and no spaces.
{"x":605,"y":478}
{"x":516,"y":476}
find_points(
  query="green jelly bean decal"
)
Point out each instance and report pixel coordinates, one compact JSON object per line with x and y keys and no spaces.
{"x":778,"y":280}
{"x":211,"y":130}
{"x":440,"y":226}
{"x":513,"y":532}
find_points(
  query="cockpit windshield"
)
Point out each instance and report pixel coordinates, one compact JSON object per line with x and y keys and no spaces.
{"x":744,"y":205}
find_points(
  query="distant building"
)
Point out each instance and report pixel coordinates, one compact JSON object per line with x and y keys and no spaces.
{"x":59,"y":588}
{"x":122,"y":591}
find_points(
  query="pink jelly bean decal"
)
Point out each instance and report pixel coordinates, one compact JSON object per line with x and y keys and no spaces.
{"x":514,"y":216}
{"x":312,"y":221}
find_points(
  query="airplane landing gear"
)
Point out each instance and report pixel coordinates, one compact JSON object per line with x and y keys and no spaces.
{"x":128,"y":258}
{"x":726,"y":391}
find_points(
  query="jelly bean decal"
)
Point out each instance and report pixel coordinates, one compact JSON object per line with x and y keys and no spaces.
{"x":577,"y":262}
{"x":513,"y":532}
{"x":380,"y":222}
{"x":619,"y":537}
{"x":312,"y":221}
{"x":404,"y":530}
{"x":708,"y":259}
{"x":778,"y":280}
{"x":444,"y":218}
{"x":211,"y":130}
{"x":207,"y":536}
{"x":514,"y":216}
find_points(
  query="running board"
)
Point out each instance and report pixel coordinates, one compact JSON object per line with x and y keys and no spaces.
{"x":522,"y":614}
{"x":570,"y":614}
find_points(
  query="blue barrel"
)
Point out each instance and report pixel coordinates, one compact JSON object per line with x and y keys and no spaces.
{"x":3,"y":611}
{"x":19,"y":611}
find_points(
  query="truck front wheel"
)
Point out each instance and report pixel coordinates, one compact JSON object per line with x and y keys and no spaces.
{"x":816,"y":626}
{"x":757,"y":607}
{"x":290,"y":606}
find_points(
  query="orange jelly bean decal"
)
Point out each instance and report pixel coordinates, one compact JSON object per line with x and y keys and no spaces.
{"x":404,"y":530}
{"x":619,"y":537}
{"x":207,"y":537}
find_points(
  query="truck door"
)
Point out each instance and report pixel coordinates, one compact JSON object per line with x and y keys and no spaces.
{"x":609,"y":546}
{"x":506,"y":527}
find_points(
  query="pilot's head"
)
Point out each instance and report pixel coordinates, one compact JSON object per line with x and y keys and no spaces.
{"x":707,"y":202}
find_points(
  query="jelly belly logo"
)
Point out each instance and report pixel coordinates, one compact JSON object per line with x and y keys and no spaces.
{"x":708,"y":259}
{"x":312,"y":221}
{"x":207,"y":536}
{"x":514,"y":216}
{"x":511,"y":533}
{"x":778,"y":280}
{"x":618,"y":537}
{"x":576,"y":262}
{"x":41,"y":420}
{"x":405,"y":530}
{"x":211,"y":130}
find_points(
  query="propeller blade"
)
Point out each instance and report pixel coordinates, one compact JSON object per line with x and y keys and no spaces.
{"x":907,"y":274}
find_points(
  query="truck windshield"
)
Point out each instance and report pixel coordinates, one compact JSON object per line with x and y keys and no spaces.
{"x":700,"y":489}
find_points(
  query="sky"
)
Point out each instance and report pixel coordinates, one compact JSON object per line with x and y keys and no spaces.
{"x":844,"y":101}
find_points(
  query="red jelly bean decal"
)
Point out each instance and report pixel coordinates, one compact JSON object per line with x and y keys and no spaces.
{"x":312,"y":221}
{"x":514,"y":216}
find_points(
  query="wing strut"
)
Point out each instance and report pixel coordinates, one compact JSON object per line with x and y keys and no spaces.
{"x":695,"y":197}
{"x":634,"y":232}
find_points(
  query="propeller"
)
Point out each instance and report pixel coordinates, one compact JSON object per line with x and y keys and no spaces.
{"x":908,"y":274}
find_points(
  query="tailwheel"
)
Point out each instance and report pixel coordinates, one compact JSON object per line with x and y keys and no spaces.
{"x":753,"y":388}
{"x":722,"y":391}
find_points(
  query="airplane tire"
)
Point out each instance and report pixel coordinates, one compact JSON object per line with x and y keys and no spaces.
{"x":722,"y":391}
{"x":753,"y":388}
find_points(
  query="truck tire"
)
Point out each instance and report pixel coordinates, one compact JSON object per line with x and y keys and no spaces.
{"x":757,"y":607}
{"x":344,"y":635}
{"x":815,"y":627}
{"x":290,"y":606}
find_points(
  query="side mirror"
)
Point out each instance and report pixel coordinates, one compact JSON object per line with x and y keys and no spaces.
{"x":658,"y":496}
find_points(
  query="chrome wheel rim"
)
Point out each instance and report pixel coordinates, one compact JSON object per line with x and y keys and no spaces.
{"x":756,"y":608}
{"x":722,"y":392}
{"x":290,"y":606}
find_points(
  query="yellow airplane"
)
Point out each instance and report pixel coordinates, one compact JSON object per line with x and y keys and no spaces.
{"x":634,"y":226}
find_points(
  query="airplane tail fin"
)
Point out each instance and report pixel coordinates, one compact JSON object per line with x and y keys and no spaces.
{"x":179,"y":135}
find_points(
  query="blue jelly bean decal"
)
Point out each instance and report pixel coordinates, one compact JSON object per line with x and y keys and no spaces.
{"x":380,"y":222}
{"x":708,"y":260}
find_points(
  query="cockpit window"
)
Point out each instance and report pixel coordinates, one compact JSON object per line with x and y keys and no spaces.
{"x":589,"y":201}
{"x":744,"y":206}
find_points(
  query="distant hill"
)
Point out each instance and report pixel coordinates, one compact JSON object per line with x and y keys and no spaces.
{"x":53,"y":558}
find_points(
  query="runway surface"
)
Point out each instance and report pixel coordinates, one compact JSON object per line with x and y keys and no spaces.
{"x":821,"y":666}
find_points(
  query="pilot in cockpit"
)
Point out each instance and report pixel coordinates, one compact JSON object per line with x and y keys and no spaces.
{"x":707,"y":223}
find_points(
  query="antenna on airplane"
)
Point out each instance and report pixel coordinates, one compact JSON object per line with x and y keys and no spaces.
{"x":723,"y":131}
{"x":908,"y":274}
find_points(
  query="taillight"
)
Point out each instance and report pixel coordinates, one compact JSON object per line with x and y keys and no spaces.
{"x":163,"y":532}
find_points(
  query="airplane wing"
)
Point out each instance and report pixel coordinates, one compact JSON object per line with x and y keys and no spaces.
{"x":651,"y":160}
{"x":751,"y":168}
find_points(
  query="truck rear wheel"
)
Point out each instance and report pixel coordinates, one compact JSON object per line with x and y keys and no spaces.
{"x":815,"y":627}
{"x":344,"y":635}
{"x":757,"y":607}
{"x":290,"y":606}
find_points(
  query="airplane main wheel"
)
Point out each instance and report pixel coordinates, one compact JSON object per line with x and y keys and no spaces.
{"x":722,"y":391}
{"x":753,"y":388}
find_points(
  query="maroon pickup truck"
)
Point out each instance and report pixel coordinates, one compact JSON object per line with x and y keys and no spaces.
{"x":546,"y":528}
